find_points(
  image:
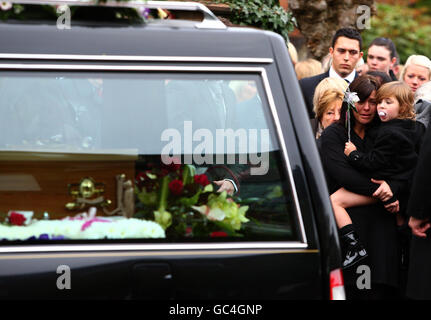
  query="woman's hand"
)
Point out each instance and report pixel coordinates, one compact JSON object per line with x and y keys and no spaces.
{"x":393,"y":207}
{"x":384,"y":192}
{"x":419,"y":226}
{"x":225,"y":185}
{"x":348,"y":148}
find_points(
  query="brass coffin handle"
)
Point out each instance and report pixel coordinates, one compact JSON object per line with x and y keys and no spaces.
{"x":87,"y":192}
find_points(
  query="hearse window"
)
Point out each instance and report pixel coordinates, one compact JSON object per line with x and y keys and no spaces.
{"x":141,"y":155}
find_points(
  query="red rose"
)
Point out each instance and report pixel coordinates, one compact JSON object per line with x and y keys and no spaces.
{"x":216,"y":234}
{"x":189,"y":231}
{"x":140,"y":178}
{"x":16,"y":219}
{"x":173,"y":166}
{"x":144,"y":181}
{"x":201,"y":179}
{"x":176,"y":187}
{"x":163,"y":172}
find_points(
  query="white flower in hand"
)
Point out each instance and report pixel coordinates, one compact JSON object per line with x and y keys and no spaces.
{"x":351,"y":97}
{"x":5,"y":5}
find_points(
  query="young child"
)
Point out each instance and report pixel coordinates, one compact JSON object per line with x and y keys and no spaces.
{"x":393,"y":156}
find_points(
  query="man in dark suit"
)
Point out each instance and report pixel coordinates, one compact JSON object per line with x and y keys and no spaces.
{"x":208,"y":104}
{"x":345,"y":52}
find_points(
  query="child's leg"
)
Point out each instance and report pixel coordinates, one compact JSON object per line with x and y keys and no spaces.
{"x":343,"y":199}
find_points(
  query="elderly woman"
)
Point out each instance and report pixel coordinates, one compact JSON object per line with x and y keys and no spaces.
{"x":327,"y":101}
{"x":375,"y":226}
{"x":417,"y":71}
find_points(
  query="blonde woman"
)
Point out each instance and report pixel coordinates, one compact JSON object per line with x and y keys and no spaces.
{"x":292,"y":52}
{"x":327,"y":102}
{"x":308,"y":68}
{"x":417,"y":71}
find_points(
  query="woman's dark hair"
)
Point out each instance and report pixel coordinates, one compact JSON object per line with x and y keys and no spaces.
{"x":387,"y":43}
{"x":348,"y":33}
{"x":363,"y":85}
{"x":383,"y":76}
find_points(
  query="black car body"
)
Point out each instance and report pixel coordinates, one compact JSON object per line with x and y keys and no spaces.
{"x":291,"y":253}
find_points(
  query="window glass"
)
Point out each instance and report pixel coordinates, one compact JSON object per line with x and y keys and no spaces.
{"x":103,"y":156}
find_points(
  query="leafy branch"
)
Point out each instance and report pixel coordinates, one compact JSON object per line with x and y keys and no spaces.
{"x":263,"y":14}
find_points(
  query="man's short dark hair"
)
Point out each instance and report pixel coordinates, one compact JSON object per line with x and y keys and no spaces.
{"x":348,"y":33}
{"x":387,"y":43}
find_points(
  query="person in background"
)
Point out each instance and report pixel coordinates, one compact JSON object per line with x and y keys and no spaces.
{"x":417,"y":71}
{"x":326,"y":62}
{"x":423,"y":103}
{"x":382,"y":56}
{"x":308,"y":68}
{"x":382,"y":76}
{"x":419,"y":210}
{"x":361,"y":67}
{"x":292,"y":52}
{"x":345,"y":51}
{"x":190,"y":101}
{"x":398,"y":67}
{"x":327,"y":102}
{"x":248,"y":103}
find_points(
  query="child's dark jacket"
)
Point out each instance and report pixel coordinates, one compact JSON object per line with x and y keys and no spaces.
{"x":395,"y":151}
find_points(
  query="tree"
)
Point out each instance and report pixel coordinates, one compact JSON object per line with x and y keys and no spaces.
{"x":262,"y":14}
{"x":319,"y":20}
{"x":408,"y":28}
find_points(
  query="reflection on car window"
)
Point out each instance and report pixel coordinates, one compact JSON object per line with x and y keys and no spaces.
{"x":140,"y":156}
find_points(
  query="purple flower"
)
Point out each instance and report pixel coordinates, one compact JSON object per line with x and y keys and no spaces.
{"x":45,"y":236}
{"x":58,"y":238}
{"x":145,"y":12}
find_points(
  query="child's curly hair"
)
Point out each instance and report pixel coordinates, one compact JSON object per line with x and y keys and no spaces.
{"x":403,"y":94}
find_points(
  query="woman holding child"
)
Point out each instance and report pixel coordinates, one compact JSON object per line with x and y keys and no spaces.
{"x":373,"y":222}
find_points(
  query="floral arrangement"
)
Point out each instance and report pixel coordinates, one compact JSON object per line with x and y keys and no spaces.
{"x":83,"y":226}
{"x":172,"y":201}
{"x":10,"y":10}
{"x":185,"y":203}
{"x":350,"y":98}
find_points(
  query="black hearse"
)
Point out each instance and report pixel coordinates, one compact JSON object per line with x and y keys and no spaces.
{"x":150,"y":152}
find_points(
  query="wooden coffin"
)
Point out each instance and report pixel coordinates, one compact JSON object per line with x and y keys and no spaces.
{"x":46,"y":182}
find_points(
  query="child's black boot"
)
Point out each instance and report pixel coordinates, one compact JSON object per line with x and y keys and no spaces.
{"x":353,"y":250}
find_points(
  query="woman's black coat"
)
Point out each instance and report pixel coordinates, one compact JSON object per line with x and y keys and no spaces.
{"x":375,"y":226}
